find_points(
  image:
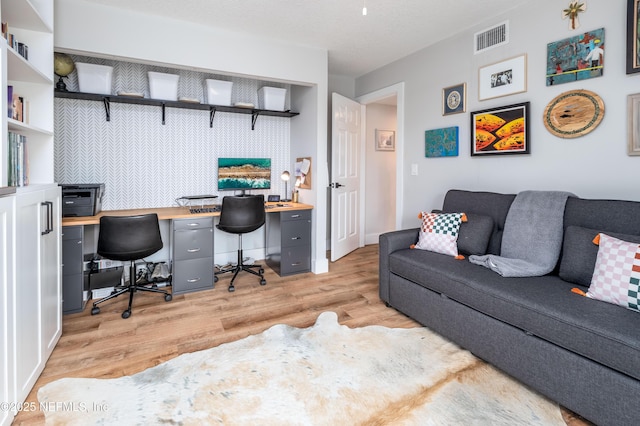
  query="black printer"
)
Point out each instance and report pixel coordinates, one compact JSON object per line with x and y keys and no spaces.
{"x":82,"y":199}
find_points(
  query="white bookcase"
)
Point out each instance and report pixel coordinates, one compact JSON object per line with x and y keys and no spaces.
{"x":31,"y":21}
{"x":30,"y":249}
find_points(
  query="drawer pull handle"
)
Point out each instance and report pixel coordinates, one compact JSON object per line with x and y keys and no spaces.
{"x":296,"y":238}
{"x":295,"y":215}
{"x":194,"y":224}
{"x":193,"y":280}
{"x":193,"y":250}
{"x":295,"y":264}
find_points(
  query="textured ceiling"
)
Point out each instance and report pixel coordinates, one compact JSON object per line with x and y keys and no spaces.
{"x":356,"y":44}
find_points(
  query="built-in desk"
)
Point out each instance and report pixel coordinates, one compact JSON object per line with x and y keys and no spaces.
{"x":192,"y":269}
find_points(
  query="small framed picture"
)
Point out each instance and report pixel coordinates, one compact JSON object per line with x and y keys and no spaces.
{"x":503,"y":78}
{"x":454,"y":99}
{"x":385,"y":140}
{"x":633,"y":37}
{"x":500,"y":131}
{"x":633,"y":124}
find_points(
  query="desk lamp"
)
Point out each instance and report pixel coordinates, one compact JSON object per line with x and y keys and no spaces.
{"x":285,"y":177}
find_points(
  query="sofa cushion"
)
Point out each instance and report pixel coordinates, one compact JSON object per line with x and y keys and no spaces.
{"x":439,"y":232}
{"x":579,"y":253}
{"x":475,"y":234}
{"x":616,"y":278}
{"x":541,"y":306}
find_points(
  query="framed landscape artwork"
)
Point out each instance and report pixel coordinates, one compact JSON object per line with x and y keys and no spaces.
{"x":454,"y":99}
{"x":441,"y":142}
{"x":503,"y":78}
{"x":576,"y":58}
{"x":500,"y":131}
{"x":633,"y":41}
{"x":385,"y":140}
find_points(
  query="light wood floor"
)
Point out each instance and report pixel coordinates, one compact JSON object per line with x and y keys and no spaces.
{"x":105,"y":345}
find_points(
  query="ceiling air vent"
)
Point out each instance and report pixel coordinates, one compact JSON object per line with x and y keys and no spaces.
{"x":491,"y":37}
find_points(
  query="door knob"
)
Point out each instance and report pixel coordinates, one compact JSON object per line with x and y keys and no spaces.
{"x":335,"y":185}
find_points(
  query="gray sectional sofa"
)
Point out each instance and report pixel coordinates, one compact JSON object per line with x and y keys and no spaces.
{"x":580,"y":352}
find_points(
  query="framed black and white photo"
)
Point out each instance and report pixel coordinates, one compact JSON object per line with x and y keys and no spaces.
{"x":454,"y":99}
{"x":503,"y":78}
{"x":385,"y":140}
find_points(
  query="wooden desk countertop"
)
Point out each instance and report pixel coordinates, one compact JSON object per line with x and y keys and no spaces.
{"x":165,"y":213}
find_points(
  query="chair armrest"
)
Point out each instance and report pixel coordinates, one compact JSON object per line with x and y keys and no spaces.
{"x":388,"y":243}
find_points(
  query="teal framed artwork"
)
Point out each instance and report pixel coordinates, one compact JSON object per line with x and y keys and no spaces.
{"x":441,"y":142}
{"x":576,"y":58}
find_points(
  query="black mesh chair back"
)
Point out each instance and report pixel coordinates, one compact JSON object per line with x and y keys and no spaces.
{"x":240,"y":215}
{"x":129,"y":238}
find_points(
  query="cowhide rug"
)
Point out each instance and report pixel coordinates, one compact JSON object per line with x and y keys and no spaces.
{"x":327,"y":374}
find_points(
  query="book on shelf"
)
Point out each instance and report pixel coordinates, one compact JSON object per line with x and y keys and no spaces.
{"x":10,"y":101}
{"x":18,"y":159}
{"x":17,"y":107}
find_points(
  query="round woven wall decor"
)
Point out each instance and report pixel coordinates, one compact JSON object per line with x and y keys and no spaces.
{"x":574,"y":113}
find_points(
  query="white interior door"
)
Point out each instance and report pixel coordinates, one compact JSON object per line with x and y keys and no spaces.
{"x":345,"y":176}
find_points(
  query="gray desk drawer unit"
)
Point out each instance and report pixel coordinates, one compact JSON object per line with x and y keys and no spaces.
{"x":289,"y":241}
{"x":72,"y":275}
{"x":192,"y":254}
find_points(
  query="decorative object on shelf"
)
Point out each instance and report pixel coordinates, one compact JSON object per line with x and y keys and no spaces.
{"x":62,"y":66}
{"x":576,"y":58}
{"x":272,"y":98}
{"x":94,"y":78}
{"x":385,"y":140}
{"x":502,"y":130}
{"x":572,"y":11}
{"x":441,"y":142}
{"x":285,"y":176}
{"x":633,"y":124}
{"x":218,"y":91}
{"x":303,"y":172}
{"x":633,"y":38}
{"x":130,"y":94}
{"x":573,"y":114}
{"x":503,"y":78}
{"x":454,"y":99}
{"x":163,"y":86}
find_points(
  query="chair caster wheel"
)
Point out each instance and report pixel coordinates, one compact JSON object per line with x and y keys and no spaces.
{"x":261,"y":271}
{"x":263,"y":282}
{"x":126,"y":314}
{"x":95,"y":310}
{"x":231,"y":289}
{"x":167,"y":298}
{"x":215,"y":278}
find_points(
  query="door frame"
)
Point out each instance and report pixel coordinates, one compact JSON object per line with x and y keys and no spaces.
{"x":369,"y":98}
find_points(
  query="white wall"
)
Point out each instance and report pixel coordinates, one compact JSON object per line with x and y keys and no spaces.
{"x":592,"y":166}
{"x":380,"y":175}
{"x":103,"y":31}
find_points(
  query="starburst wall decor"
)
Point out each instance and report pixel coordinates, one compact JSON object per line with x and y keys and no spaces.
{"x":571,"y":13}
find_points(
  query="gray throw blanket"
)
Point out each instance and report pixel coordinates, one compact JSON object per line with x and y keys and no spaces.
{"x":532,"y":236}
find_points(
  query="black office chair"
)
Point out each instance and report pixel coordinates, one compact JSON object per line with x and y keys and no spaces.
{"x":240,"y":215}
{"x":129,"y":238}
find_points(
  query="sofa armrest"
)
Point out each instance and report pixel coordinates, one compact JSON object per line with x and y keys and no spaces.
{"x":388,"y":243}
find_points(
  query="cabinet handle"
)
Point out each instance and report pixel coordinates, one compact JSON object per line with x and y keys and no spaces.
{"x":295,"y":264}
{"x":49,"y":211}
{"x":295,"y":215}
{"x":193,"y":280}
{"x":193,"y":224}
{"x":296,"y":238}
{"x":193,"y":250}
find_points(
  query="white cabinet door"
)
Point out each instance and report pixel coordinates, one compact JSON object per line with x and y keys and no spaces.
{"x":7,"y":278}
{"x":51,"y":270}
{"x":37,"y":294}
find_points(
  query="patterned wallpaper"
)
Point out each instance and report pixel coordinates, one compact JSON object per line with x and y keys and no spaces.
{"x":146,"y":164}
